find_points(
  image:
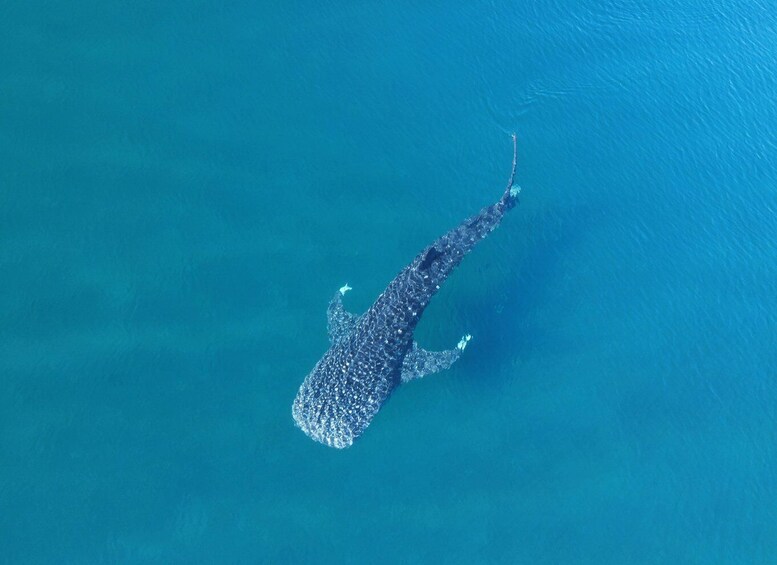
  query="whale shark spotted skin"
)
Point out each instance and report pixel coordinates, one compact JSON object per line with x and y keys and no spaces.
{"x":370,"y":355}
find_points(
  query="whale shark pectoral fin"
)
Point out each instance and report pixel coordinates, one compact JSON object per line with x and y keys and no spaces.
{"x":339,"y":323}
{"x":419,"y":362}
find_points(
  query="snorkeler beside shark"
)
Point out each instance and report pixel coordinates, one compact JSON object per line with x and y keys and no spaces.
{"x":372,"y":354}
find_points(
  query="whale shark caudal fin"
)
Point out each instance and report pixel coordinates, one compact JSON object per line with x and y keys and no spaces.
{"x":510,"y":196}
{"x":339,"y":323}
{"x":419,"y":362}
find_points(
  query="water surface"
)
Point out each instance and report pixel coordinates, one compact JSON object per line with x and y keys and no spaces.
{"x":183,"y":187}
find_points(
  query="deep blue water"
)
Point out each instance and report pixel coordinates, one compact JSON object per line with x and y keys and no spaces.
{"x":183,"y":185}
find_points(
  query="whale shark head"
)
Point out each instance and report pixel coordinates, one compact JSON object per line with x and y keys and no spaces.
{"x":340,"y":397}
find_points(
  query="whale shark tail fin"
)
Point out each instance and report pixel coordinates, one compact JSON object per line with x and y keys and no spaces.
{"x":510,"y":196}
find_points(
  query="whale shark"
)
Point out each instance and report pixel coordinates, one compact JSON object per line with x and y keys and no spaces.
{"x":372,"y":354}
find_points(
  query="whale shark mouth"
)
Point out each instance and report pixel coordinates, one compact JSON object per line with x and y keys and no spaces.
{"x":326,"y":431}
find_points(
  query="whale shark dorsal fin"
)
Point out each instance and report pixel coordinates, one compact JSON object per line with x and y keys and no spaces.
{"x":419,"y":362}
{"x":339,"y":323}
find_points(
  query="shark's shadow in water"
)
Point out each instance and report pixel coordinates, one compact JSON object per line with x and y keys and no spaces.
{"x":506,"y":325}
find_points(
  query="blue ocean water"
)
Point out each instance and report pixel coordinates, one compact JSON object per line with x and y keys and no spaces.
{"x":184,"y":185}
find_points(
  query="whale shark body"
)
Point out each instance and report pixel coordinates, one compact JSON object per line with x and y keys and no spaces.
{"x":372,"y":354}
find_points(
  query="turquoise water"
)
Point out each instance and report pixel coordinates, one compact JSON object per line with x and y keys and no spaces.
{"x":183,"y":186}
